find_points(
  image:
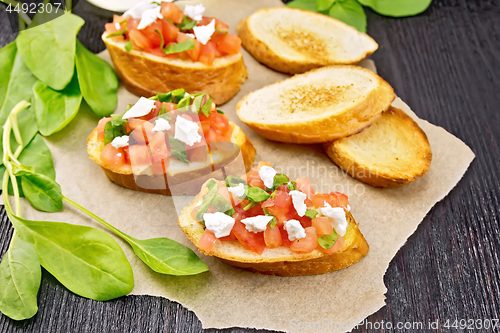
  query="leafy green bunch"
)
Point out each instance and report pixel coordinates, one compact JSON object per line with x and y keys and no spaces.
{"x":351,"y":11}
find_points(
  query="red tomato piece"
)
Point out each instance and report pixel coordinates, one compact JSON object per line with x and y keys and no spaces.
{"x":339,"y":245}
{"x":322,"y":225}
{"x":307,"y":244}
{"x":193,"y":54}
{"x":254,"y":179}
{"x":229,"y":238}
{"x":208,"y":53}
{"x":169,"y":10}
{"x":139,"y":40}
{"x":112,"y":156}
{"x":142,"y":132}
{"x":152,"y":35}
{"x":169,"y":31}
{"x":284,"y":237}
{"x":252,"y":241}
{"x":272,"y":237}
{"x":100,"y":128}
{"x":112,"y":28}
{"x":320,"y":199}
{"x":342,"y":199}
{"x":207,"y":240}
{"x":229,"y":44}
{"x":158,"y":147}
{"x":304,"y":185}
{"x":139,"y":156}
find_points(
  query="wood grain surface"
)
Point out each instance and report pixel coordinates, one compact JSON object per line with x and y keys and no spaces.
{"x":445,"y":63}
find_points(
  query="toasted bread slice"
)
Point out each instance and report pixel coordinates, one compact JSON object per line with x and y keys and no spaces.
{"x":294,"y":41}
{"x":281,"y":261}
{"x":191,"y":176}
{"x":145,"y":74}
{"x":393,"y":151}
{"x":321,"y":105}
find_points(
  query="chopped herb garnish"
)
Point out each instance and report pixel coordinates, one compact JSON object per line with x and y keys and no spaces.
{"x":128,"y":46}
{"x":187,"y":24}
{"x":220,"y":111}
{"x":251,"y":204}
{"x":180,"y":47}
{"x":292,"y":186}
{"x":117,"y":33}
{"x":311,"y":213}
{"x":177,"y":149}
{"x":256,"y":194}
{"x":328,"y":241}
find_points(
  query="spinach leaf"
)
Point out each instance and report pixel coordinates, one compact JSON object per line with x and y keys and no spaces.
{"x":55,"y":109}
{"x":328,"y":241}
{"x":180,"y":47}
{"x":49,"y":49}
{"x":113,"y":129}
{"x":184,"y":103}
{"x":42,"y":192}
{"x":177,"y":149}
{"x":256,"y":194}
{"x":279,"y":179}
{"x":98,"y":81}
{"x":187,"y":24}
{"x":311,"y":213}
{"x":16,"y":80}
{"x":303,"y":4}
{"x":350,"y":12}
{"x":397,"y":8}
{"x":207,"y":200}
{"x":85,"y":260}
{"x":20,"y":276}
{"x":324,"y":5}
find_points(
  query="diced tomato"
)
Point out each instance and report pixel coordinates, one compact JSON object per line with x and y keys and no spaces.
{"x":307,"y":244}
{"x":141,"y":132}
{"x":272,"y":237}
{"x":112,"y":28}
{"x":342,"y":199}
{"x":100,"y":128}
{"x":152,"y":35}
{"x":321,"y":198}
{"x":198,"y":152}
{"x":229,"y":238}
{"x":193,"y":54}
{"x":284,"y":237}
{"x":253,"y":179}
{"x":112,"y":156}
{"x":169,"y":31}
{"x":339,"y":245}
{"x":132,"y":24}
{"x":229,"y":44}
{"x":118,"y":18}
{"x":169,"y":10}
{"x":322,"y":225}
{"x":304,"y":220}
{"x":252,"y":241}
{"x":158,"y":147}
{"x":208,"y":239}
{"x":208,"y":53}
{"x":304,"y":185}
{"x":139,"y":40}
{"x":139,"y":156}
{"x":218,"y":23}
{"x":157,"y":52}
{"x":254,"y":211}
{"x":152,"y":114}
{"x":159,"y":168}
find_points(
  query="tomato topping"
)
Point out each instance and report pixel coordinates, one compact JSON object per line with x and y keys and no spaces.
{"x":229,"y":44}
{"x":150,"y":33}
{"x":307,"y":244}
{"x":339,"y":245}
{"x":193,"y":54}
{"x":207,"y":240}
{"x":133,"y":23}
{"x":141,"y":132}
{"x":208,"y":53}
{"x":322,"y":225}
{"x":198,"y":152}
{"x":100,"y":128}
{"x":139,"y":156}
{"x":335,"y":199}
{"x":253,"y":179}
{"x":158,"y":147}
{"x":112,"y":156}
{"x":139,"y":40}
{"x":169,"y":31}
{"x":304,"y":185}
{"x":231,"y":237}
{"x":272,"y":237}
{"x":112,"y":28}
{"x":169,"y":10}
{"x":252,"y":241}
{"x":342,"y":199}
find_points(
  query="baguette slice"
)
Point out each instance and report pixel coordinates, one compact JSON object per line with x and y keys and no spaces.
{"x":294,"y":41}
{"x":281,"y":261}
{"x":191,"y":176}
{"x":145,"y":74}
{"x":393,"y":151}
{"x":321,"y":105}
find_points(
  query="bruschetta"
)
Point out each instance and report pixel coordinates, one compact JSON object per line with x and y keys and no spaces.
{"x":269,"y":224}
{"x":156,"y":48}
{"x":168,"y":139}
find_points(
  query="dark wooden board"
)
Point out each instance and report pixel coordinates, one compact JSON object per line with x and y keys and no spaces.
{"x":445,"y":63}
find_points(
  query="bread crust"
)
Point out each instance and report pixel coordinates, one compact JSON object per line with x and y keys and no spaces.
{"x":260,"y":51}
{"x":393,"y":175}
{"x":281,"y":261}
{"x":192,"y":181}
{"x":145,"y":74}
{"x":327,"y":129}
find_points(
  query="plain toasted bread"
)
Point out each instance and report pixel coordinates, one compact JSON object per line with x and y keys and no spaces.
{"x":281,"y":261}
{"x":191,"y":176}
{"x":319,"y":106}
{"x":145,"y":74}
{"x":294,"y":41}
{"x":393,"y":151}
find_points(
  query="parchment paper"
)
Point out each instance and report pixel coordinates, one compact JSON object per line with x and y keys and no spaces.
{"x":227,"y":296}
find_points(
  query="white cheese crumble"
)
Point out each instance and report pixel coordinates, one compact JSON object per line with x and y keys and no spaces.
{"x":298,"y":199}
{"x":219,"y":223}
{"x":120,"y":141}
{"x":136,"y":11}
{"x":161,"y":125}
{"x":204,"y":32}
{"x":118,"y":26}
{"x":148,"y":17}
{"x":238,"y":191}
{"x":141,"y":108}
{"x":192,"y":36}
{"x":257,"y":223}
{"x":337,"y":217}
{"x":267,"y":174}
{"x":187,"y":131}
{"x":294,"y":230}
{"x":194,"y":12}
{"x":348,"y":208}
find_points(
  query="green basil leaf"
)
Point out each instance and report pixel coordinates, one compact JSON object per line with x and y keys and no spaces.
{"x":230,"y":212}
{"x":256,"y":194}
{"x":162,"y":40}
{"x":184,"y":102}
{"x":55,"y":109}
{"x":98,"y":81}
{"x":220,"y":111}
{"x":164,"y":113}
{"x":292,"y":186}
{"x":303,"y":4}
{"x":20,"y":277}
{"x":187,"y":24}
{"x":221,"y":204}
{"x":177,"y":95}
{"x":272,"y":223}
{"x":397,"y":8}
{"x":49,"y":49}
{"x":250,"y":205}
{"x":221,"y":30}
{"x":112,"y":131}
{"x":280,"y":179}
{"x":42,"y":192}
{"x":180,"y":47}
{"x":328,"y":241}
{"x":232,"y":181}
{"x":178,"y":149}
{"x":207,"y":107}
{"x":128,"y":46}
{"x":311,"y":213}
{"x":324,"y":5}
{"x":196,"y":106}
{"x":207,"y":200}
{"x":118,"y":33}
{"x":350,"y":12}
